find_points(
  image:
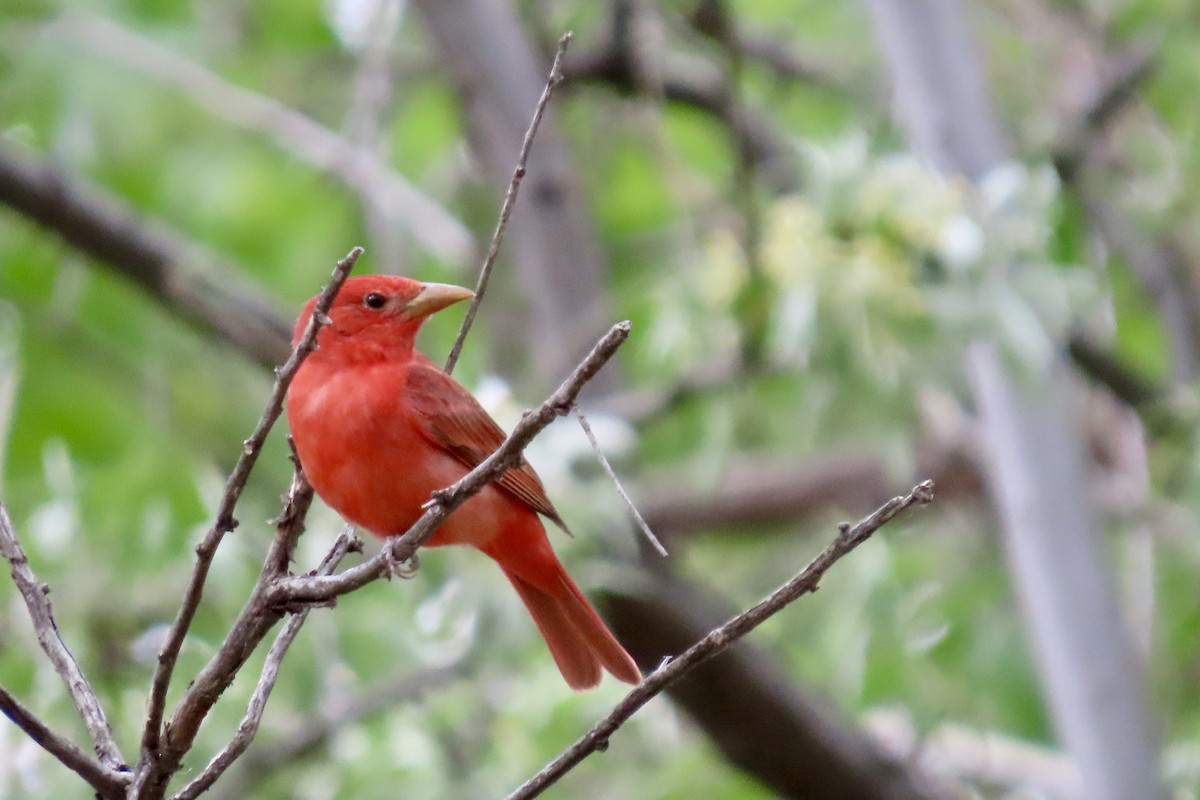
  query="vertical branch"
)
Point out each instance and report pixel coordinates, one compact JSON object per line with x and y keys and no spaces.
{"x":510,"y":199}
{"x":247,"y":630}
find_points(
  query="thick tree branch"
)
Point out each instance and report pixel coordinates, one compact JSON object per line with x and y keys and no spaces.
{"x":805,"y":582}
{"x":1093,"y":684}
{"x":252,"y":624}
{"x":757,"y":492}
{"x":37,"y":600}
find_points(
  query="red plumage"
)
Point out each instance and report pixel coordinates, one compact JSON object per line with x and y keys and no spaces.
{"x":378,"y":427}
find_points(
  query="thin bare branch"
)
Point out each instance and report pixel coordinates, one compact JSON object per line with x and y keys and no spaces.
{"x":224,"y":519}
{"x":510,"y":199}
{"x":310,"y":589}
{"x":248,"y":728}
{"x":805,"y":582}
{"x":37,"y":600}
{"x":108,"y":783}
{"x":612,"y":476}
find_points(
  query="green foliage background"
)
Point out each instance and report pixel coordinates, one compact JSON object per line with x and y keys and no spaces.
{"x":120,"y":421}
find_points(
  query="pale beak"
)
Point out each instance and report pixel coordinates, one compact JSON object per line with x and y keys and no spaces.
{"x":435,"y":297}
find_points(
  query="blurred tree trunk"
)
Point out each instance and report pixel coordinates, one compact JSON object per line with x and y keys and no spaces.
{"x":1035,"y":456}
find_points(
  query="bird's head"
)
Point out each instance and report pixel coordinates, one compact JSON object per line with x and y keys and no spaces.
{"x":378,"y":315}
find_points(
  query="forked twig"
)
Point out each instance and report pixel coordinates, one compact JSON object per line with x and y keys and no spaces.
{"x":248,"y":728}
{"x":276,"y":592}
{"x":225,"y":522}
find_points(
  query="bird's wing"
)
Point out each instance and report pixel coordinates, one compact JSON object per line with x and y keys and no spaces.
{"x":452,"y":419}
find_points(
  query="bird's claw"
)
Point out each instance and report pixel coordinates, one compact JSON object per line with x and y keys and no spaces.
{"x":405,"y":570}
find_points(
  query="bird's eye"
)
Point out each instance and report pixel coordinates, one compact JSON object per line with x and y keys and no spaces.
{"x":374,"y":300}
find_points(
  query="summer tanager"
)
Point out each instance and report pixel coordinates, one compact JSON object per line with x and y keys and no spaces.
{"x":379,"y":427}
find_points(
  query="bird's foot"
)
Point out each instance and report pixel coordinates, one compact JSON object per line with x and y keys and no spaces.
{"x":405,"y":570}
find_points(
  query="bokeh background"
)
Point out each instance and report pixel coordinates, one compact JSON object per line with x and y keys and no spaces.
{"x":806,"y":275}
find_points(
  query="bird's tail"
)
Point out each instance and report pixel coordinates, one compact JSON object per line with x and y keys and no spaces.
{"x":579,"y":641}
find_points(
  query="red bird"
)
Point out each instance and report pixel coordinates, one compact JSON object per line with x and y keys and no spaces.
{"x":379,"y":427}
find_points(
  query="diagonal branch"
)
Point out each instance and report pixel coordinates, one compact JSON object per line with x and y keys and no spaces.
{"x":805,"y":582}
{"x":510,"y":199}
{"x":630,"y":506}
{"x":108,"y":783}
{"x":224,"y":520}
{"x":37,"y":599}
